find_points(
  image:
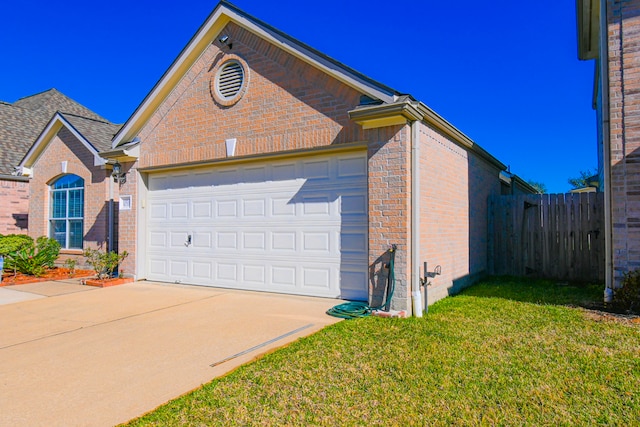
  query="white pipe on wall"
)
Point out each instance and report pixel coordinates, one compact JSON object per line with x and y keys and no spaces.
{"x":415,"y":219}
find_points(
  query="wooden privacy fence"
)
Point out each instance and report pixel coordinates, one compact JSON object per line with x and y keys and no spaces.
{"x":559,"y":236}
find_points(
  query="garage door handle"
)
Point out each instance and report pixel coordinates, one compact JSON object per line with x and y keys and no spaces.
{"x":188,"y":242}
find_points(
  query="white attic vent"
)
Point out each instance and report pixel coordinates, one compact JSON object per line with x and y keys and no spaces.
{"x":230,"y":80}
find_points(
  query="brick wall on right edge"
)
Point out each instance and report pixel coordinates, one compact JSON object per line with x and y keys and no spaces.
{"x":455,"y":185}
{"x":624,"y":98}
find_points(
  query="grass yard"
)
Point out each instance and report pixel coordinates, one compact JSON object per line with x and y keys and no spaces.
{"x":504,"y":352}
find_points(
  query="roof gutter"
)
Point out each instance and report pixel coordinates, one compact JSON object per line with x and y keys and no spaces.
{"x":5,"y":177}
{"x":408,"y":110}
{"x":126,"y":153}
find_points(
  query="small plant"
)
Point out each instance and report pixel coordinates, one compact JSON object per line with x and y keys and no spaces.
{"x":70,"y":263}
{"x":34,"y":259}
{"x":104,"y":263}
{"x":627,"y":297}
{"x":12,"y":243}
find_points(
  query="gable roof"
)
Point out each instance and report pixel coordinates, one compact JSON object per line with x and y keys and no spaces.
{"x":384,"y":105}
{"x":94,"y":134}
{"x":224,"y":13}
{"x":23,"y":121}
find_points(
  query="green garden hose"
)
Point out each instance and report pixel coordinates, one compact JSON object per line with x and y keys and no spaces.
{"x":355,"y":309}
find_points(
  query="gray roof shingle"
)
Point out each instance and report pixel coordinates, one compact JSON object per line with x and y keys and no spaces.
{"x":22,"y":122}
{"x":98,"y":132}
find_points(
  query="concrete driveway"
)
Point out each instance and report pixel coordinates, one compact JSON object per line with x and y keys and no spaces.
{"x":72,"y":355}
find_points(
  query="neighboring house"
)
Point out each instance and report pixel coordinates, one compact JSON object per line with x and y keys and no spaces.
{"x":68,"y":181}
{"x":20,"y":124}
{"x":608,"y":31}
{"x":262,"y":164}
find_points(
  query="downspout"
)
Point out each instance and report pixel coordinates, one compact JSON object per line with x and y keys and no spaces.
{"x":606,"y":146}
{"x":415,"y":219}
{"x":110,"y":246}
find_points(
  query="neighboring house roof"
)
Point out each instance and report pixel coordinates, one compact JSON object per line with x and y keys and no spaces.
{"x":99,"y":133}
{"x":94,"y":134}
{"x":22,"y":122}
{"x":17,"y":132}
{"x":48,"y":102}
{"x":383,"y":106}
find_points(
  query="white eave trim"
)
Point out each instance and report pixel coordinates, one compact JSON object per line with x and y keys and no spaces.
{"x":125,"y":153}
{"x":51,"y":130}
{"x":207,"y":33}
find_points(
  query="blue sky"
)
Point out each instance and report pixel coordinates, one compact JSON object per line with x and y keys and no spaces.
{"x":505,"y":73}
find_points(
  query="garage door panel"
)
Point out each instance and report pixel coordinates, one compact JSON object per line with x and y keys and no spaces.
{"x":281,"y":207}
{"x":202,"y":270}
{"x":254,"y":241}
{"x":179,"y":268}
{"x":202,"y":209}
{"x":178,"y":239}
{"x":318,"y":278}
{"x":227,"y":271}
{"x":316,"y":169}
{"x":253,"y":208}
{"x":158,"y":267}
{"x":227,"y":240}
{"x":253,"y":274}
{"x":202,"y":239}
{"x":158,"y":210}
{"x":286,"y":226}
{"x":227,"y":208}
{"x":352,"y":167}
{"x":283,"y":241}
{"x":283,"y":277}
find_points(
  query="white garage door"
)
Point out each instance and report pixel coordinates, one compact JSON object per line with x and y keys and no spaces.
{"x":294,"y":226}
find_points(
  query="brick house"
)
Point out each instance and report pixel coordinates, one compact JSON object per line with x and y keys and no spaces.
{"x":69,"y":182}
{"x":608,"y":31}
{"x":263,"y":164}
{"x":20,"y":125}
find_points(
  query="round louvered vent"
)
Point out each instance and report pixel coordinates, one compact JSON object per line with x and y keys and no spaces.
{"x":230,"y":80}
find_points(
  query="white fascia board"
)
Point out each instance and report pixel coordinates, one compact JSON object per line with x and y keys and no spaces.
{"x":51,"y":130}
{"x":198,"y":44}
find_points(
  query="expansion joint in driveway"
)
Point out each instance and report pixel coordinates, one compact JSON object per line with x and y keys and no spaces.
{"x":264,"y":344}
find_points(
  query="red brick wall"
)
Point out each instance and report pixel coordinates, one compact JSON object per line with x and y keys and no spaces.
{"x":389,"y":186}
{"x":65,"y":147}
{"x":455,"y":184}
{"x":624,"y":98}
{"x":14,"y":206}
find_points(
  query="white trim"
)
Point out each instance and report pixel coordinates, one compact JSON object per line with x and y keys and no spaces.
{"x":50,"y":131}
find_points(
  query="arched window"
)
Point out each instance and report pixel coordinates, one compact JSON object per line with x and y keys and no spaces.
{"x":66,"y":216}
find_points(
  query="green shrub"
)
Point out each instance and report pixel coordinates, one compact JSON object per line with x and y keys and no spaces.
{"x":627,"y":297}
{"x":13,"y":242}
{"x":34,"y":259}
{"x":104,"y":263}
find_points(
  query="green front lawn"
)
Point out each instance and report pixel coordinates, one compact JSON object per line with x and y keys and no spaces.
{"x":504,"y":352}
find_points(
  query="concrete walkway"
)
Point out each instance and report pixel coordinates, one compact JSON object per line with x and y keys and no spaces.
{"x":81,"y":356}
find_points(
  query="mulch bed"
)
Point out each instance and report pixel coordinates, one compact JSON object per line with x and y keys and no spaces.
{"x":9,"y":279}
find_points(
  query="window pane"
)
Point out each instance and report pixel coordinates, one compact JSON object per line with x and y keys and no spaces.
{"x":68,"y":181}
{"x":58,"y":231}
{"x":59,"y":204}
{"x":75,"y":234}
{"x":76,"y":205}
